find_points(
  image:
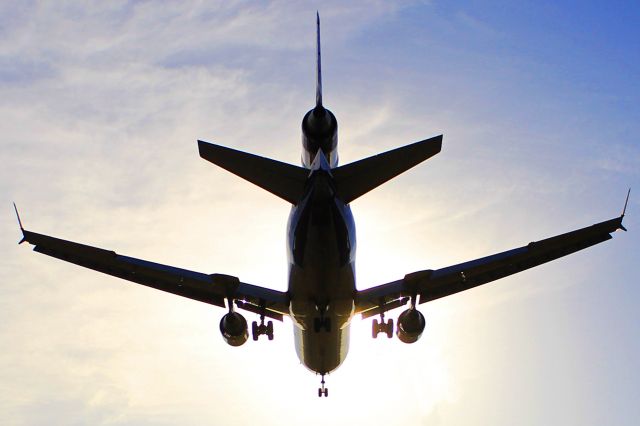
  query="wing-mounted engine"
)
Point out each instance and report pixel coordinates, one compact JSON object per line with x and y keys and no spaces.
{"x":234,"y":329}
{"x":411,"y":324}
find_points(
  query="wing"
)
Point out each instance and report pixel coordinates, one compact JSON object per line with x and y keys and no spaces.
{"x":434,"y":284}
{"x":212,"y":289}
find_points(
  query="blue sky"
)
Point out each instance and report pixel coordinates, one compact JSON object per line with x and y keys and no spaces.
{"x":102,"y":105}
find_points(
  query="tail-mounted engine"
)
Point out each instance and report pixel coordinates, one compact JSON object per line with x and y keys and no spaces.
{"x":319,"y":131}
{"x":411,"y":324}
{"x":234,"y":329}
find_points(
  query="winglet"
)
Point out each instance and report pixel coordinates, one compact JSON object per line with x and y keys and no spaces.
{"x":19,"y":223}
{"x":624,"y":210}
{"x":318,"y":64}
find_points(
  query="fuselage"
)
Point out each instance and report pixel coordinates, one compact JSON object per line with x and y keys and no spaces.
{"x":321,"y":246}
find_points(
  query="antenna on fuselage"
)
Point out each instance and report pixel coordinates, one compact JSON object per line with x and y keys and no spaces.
{"x":318,"y":65}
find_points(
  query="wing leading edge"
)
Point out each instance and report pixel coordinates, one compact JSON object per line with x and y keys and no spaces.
{"x":208,"y":288}
{"x":434,"y":284}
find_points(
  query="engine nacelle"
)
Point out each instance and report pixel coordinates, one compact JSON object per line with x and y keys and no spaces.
{"x":411,"y":324}
{"x":234,"y":329}
{"x":319,"y":131}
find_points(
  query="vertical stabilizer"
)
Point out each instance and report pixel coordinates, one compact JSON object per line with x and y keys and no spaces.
{"x":319,"y":125}
{"x":318,"y":64}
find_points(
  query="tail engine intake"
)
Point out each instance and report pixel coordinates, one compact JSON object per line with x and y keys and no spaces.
{"x":319,"y":131}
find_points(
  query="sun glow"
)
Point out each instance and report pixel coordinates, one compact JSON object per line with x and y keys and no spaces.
{"x":99,"y":146}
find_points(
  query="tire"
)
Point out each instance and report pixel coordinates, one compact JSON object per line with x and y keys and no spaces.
{"x":374,"y":329}
{"x":327,"y":325}
{"x":254,"y":330}
{"x":390,"y":329}
{"x":270,"y":330}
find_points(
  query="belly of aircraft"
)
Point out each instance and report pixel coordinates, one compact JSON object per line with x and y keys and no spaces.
{"x":330,"y":296}
{"x":321,"y":352}
{"x":321,"y":280}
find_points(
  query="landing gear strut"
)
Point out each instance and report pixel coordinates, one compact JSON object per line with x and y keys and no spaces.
{"x":322,"y":390}
{"x":259,"y":330}
{"x":382,"y":327}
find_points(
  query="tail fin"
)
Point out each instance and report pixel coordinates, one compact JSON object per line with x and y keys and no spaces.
{"x":355,"y":179}
{"x":318,"y":64}
{"x":281,"y":179}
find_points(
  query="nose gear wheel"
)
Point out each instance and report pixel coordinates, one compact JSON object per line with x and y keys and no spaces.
{"x":323,"y":391}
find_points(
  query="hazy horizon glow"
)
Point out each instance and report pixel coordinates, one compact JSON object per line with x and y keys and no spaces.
{"x":102,"y":106}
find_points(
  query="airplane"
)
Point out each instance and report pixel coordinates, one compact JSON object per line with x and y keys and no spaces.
{"x":322,"y":298}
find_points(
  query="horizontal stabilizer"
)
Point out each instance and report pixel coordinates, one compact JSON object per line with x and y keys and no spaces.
{"x":281,"y":179}
{"x":358,"y":178}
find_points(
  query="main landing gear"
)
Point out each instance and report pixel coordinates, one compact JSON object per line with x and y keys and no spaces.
{"x":321,"y":323}
{"x":382,"y":327}
{"x":259,"y":330}
{"x":322,"y":391}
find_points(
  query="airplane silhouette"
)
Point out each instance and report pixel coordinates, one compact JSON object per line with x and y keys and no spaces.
{"x":322,"y":298}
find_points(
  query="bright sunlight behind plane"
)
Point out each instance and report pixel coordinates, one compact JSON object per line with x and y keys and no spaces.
{"x":98,"y":140}
{"x":322,"y":298}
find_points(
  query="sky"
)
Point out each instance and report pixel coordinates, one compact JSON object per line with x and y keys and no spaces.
{"x":102,"y":104}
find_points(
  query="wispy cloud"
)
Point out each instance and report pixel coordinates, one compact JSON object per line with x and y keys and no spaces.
{"x":101,"y":105}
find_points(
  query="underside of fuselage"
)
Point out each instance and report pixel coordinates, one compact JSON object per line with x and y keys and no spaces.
{"x":321,"y":248}
{"x":321,"y":245}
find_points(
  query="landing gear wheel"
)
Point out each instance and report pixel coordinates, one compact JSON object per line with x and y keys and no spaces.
{"x":259,"y":330}
{"x":270,"y":330}
{"x":254,"y":330}
{"x":322,"y":390}
{"x":382,"y":327}
{"x":327,"y":326}
{"x":389,"y":328}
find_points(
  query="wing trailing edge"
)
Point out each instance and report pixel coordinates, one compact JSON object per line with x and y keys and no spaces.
{"x":214,"y":289}
{"x":434,"y":284}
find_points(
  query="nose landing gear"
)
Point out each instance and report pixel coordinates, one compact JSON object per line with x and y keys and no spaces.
{"x":322,"y":391}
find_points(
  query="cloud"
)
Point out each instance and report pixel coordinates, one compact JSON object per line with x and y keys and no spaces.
{"x":101,"y":108}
